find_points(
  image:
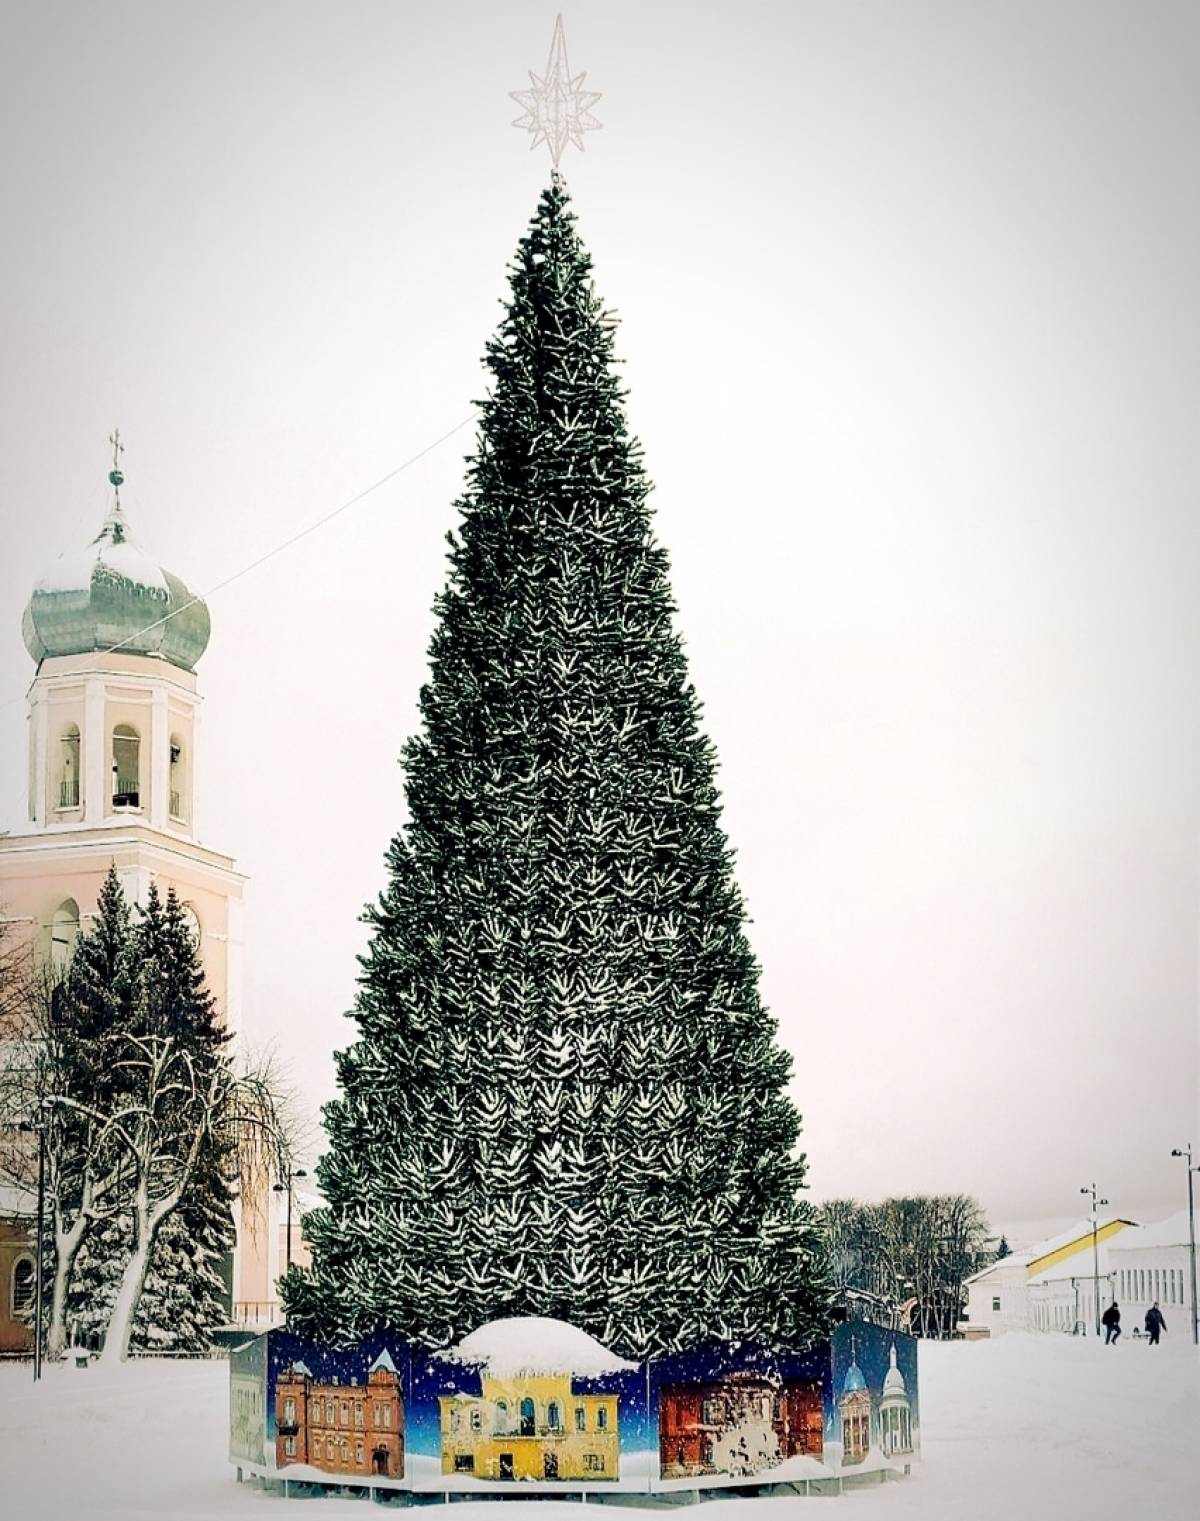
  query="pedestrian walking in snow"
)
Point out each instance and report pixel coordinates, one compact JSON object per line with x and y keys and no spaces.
{"x":1111,"y":1321}
{"x":1155,"y":1324}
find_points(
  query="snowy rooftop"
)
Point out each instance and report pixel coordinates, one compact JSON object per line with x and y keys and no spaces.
{"x":1173,"y":1231}
{"x":1081,"y":1233}
{"x":1013,"y":1260}
{"x":527,"y":1345}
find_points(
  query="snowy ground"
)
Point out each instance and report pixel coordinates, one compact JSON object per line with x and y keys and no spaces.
{"x":1024,"y":1427}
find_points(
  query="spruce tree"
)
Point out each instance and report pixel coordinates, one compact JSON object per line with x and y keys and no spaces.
{"x":565,"y":1097}
{"x":90,"y":1010}
{"x":145,"y":979}
{"x":182,"y":1300}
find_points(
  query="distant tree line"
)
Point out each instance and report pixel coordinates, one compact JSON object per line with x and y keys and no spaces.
{"x":905,"y":1261}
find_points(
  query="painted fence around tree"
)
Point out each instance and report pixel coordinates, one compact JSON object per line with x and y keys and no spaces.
{"x":538,"y":1402}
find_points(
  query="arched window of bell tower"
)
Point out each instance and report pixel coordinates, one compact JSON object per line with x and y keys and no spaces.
{"x":192,"y":920}
{"x":178,"y":783}
{"x":68,"y":768}
{"x":64,"y":931}
{"x":126,"y":767}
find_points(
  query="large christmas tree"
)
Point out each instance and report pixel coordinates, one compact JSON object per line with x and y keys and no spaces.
{"x":565,"y":1097}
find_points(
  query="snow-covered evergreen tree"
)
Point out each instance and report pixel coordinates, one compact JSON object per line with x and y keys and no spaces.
{"x":151,"y":975}
{"x":89,"y":1011}
{"x":565,"y":1097}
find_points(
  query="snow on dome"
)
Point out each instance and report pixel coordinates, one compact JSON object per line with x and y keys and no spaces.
{"x":527,"y":1345}
{"x":894,"y":1382}
{"x":118,"y":558}
{"x":854,"y":1379}
{"x":302,"y":1370}
{"x":113,"y":595}
{"x":383,"y":1362}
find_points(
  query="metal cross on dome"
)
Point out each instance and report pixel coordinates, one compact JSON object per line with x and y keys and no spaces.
{"x":557,"y":108}
{"x":115,"y":475}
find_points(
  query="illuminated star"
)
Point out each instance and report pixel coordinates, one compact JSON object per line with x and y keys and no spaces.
{"x":557,"y":108}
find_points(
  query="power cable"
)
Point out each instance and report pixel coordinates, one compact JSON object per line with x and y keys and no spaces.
{"x":278,"y":548}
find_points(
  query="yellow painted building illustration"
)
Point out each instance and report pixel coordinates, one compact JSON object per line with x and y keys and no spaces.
{"x":530,"y":1427}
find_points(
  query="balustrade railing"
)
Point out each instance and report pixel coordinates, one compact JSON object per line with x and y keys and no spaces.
{"x":257,"y":1314}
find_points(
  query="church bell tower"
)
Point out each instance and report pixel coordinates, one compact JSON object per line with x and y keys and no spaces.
{"x":113,"y":729}
{"x":114,"y":771}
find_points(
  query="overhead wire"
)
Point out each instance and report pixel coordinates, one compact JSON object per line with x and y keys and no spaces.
{"x":270,"y":554}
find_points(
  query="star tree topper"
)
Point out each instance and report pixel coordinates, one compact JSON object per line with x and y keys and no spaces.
{"x":557,"y":108}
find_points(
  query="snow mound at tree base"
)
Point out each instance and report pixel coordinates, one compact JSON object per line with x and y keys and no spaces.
{"x":524,"y":1346}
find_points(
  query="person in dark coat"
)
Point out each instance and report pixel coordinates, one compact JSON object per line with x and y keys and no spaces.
{"x":1155,"y":1324}
{"x":1111,"y":1321}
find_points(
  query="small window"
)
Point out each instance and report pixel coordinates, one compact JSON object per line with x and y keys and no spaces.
{"x":593,"y":1462}
{"x":190,"y":919}
{"x":359,"y":1416}
{"x":476,"y":1421}
{"x":580,"y":1418}
{"x":602,"y":1418}
{"x":64,"y":931}
{"x":24,"y":1285}
{"x":68,"y":774}
{"x":126,"y":767}
{"x":553,"y":1416}
{"x":176,"y":785}
{"x":358,"y":1453}
{"x":996,"y":1303}
{"x":464,"y":1462}
{"x":289,"y":1446}
{"x":289,"y":1411}
{"x":387,"y":1417}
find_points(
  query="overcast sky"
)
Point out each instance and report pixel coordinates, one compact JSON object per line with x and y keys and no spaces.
{"x":909,"y":314}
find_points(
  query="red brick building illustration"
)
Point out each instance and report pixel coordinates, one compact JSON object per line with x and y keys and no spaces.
{"x":341,"y":1428}
{"x":741,"y":1424}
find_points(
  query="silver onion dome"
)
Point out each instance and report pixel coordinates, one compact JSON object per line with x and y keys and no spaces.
{"x":113,"y":595}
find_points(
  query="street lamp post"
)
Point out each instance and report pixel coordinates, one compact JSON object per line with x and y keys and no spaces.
{"x":40,"y":1244}
{"x":1186,"y":1151}
{"x":1091,"y":1189}
{"x":41,"y":1249}
{"x":285,"y":1187}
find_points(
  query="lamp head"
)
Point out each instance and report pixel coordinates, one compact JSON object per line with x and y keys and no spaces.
{"x":299,"y":1173}
{"x":1176,"y":1152}
{"x":278,"y":1188}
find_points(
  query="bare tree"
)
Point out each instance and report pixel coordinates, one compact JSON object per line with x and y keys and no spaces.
{"x":126,"y":1109}
{"x":906,"y":1258}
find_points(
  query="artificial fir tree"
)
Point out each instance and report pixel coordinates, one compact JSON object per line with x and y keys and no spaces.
{"x":565,"y":1097}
